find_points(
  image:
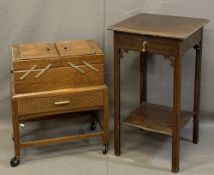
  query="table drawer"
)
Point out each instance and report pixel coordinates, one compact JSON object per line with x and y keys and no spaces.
{"x":148,"y":44}
{"x":60,"y":103}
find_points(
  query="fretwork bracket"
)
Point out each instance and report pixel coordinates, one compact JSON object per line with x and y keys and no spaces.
{"x":171,"y":59}
{"x":197,"y":47}
{"x":121,"y":52}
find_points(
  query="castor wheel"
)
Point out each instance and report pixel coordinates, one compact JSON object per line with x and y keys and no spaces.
{"x":14,"y":161}
{"x":93,"y":126}
{"x":105,"y":149}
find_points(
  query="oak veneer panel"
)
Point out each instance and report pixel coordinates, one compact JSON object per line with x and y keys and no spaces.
{"x":58,"y":78}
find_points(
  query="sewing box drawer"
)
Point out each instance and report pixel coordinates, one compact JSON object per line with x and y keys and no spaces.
{"x":66,"y":100}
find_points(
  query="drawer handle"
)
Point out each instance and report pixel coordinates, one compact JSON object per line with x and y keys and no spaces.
{"x":76,"y":68}
{"x":91,"y":66}
{"x":28,"y":72}
{"x":43,"y":71}
{"x":58,"y":103}
{"x":145,"y":45}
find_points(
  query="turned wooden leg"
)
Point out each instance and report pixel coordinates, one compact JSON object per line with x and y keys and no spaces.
{"x":196,"y":115}
{"x":143,"y":77}
{"x":16,"y":138}
{"x":116,"y":95}
{"x":176,"y":114}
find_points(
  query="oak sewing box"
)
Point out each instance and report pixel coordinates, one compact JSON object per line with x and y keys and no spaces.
{"x":49,"y":79}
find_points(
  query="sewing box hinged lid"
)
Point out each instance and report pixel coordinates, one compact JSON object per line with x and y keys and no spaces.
{"x":25,"y":56}
{"x":50,"y":66}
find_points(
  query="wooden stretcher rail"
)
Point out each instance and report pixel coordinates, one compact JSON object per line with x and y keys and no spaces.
{"x":60,"y":140}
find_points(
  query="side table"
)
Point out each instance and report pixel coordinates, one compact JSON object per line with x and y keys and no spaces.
{"x":170,"y":36}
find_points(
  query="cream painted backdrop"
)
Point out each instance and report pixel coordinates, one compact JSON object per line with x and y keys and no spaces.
{"x":54,"y":20}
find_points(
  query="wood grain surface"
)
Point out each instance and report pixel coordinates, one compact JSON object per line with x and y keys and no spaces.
{"x":160,"y":25}
{"x":155,"y":118}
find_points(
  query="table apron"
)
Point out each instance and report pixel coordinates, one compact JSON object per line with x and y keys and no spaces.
{"x":155,"y":45}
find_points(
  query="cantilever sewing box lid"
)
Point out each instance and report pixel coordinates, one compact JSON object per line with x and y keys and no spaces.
{"x":79,"y":51}
{"x":57,"y":54}
{"x":40,"y":54}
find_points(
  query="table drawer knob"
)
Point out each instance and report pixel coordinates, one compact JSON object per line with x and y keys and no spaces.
{"x":145,"y":45}
{"x":58,"y":103}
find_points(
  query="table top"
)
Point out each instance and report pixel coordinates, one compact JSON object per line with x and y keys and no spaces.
{"x":175,"y":27}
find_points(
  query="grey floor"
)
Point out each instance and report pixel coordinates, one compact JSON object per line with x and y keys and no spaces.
{"x":142,"y":152}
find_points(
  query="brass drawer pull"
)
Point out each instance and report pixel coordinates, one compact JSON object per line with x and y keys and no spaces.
{"x":28,"y":72}
{"x":58,"y":103}
{"x":145,"y":45}
{"x":91,"y":66}
{"x":43,"y":71}
{"x":76,"y":67}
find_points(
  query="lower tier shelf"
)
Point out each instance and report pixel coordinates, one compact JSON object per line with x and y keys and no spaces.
{"x":155,"y":118}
